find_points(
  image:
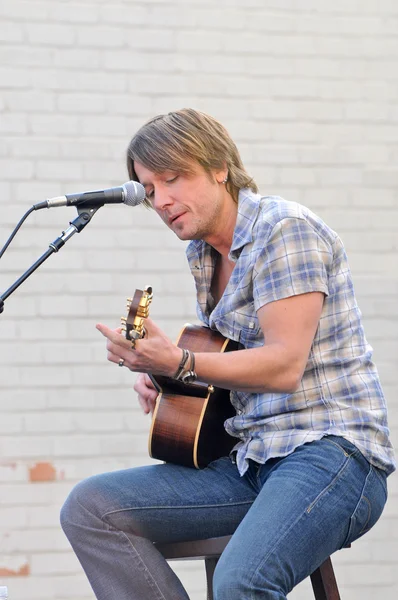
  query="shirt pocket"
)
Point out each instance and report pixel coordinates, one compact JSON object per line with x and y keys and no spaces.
{"x":246,"y":328}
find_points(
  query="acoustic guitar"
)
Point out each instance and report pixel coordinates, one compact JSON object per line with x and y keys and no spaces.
{"x":188,"y":420}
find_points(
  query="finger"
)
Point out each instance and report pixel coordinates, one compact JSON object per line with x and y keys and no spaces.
{"x":148,"y":382}
{"x":146,"y":395}
{"x":147,"y":402}
{"x":152,"y":404}
{"x":116,"y":358}
{"x":144,"y":404}
{"x":142,"y":388}
{"x":151,"y":328}
{"x":114,"y":335}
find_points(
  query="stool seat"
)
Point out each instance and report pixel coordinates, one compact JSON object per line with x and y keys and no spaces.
{"x":323,"y":579}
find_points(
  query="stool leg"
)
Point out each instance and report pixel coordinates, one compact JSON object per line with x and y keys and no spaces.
{"x":210,"y":565}
{"x":324,"y":582}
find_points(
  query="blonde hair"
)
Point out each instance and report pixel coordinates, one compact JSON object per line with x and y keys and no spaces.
{"x":173,"y":142}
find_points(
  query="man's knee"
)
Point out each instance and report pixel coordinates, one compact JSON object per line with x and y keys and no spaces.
{"x":80,"y":508}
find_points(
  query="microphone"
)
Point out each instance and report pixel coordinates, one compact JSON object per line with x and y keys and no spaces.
{"x":131,"y":193}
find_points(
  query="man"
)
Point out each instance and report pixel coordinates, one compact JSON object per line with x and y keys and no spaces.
{"x":307,"y":475}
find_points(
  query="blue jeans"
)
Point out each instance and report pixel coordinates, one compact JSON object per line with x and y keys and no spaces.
{"x":287,"y":517}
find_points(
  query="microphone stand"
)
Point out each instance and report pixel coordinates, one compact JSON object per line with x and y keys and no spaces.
{"x":84,"y":217}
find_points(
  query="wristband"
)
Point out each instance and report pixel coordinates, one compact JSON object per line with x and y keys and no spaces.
{"x":181,"y":366}
{"x":189,"y":376}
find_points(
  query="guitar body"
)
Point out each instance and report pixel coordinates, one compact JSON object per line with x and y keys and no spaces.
{"x":188,"y":420}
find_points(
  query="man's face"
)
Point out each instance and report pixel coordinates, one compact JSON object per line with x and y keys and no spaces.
{"x":190,"y":205}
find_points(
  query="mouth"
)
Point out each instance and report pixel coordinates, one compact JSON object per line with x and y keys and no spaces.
{"x":174,"y":218}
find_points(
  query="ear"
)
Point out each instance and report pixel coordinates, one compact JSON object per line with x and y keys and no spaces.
{"x":221,"y":175}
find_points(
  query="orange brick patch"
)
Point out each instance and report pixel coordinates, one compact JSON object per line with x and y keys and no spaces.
{"x":42,"y":471}
{"x":23,"y":571}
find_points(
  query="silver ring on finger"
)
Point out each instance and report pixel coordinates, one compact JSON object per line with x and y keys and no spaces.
{"x":121,"y":362}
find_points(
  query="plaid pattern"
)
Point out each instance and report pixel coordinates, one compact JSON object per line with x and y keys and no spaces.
{"x":282,"y":249}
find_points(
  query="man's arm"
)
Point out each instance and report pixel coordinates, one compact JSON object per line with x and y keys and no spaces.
{"x":289,"y":327}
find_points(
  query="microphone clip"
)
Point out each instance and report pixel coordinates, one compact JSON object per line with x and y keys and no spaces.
{"x":76,"y":226}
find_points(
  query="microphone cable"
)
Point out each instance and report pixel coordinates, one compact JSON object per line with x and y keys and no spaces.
{"x":16,"y":228}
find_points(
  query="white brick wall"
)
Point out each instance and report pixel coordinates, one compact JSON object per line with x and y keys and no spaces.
{"x":309,"y":91}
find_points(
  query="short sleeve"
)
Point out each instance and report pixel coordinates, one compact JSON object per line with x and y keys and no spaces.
{"x":295,"y":260}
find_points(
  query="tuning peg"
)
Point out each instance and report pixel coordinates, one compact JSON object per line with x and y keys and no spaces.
{"x":123,"y":319}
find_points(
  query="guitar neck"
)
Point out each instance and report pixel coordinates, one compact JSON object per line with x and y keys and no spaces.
{"x":155,"y":383}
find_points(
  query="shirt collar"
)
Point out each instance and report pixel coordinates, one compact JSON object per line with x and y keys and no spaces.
{"x":248,"y":207}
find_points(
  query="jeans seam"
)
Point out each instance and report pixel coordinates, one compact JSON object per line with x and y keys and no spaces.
{"x":328,"y":487}
{"x":184,"y":507}
{"x":380,"y":474}
{"x":279,"y":540}
{"x":361,"y":497}
{"x":363,"y":530}
{"x":303,"y":515}
{"x":150,"y":580}
{"x":340,"y":447}
{"x":146,"y":572}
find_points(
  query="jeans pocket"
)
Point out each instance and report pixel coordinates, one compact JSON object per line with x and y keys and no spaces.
{"x":346,"y":447}
{"x":370,"y":506}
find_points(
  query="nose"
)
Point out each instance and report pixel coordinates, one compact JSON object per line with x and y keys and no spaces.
{"x":161,"y":199}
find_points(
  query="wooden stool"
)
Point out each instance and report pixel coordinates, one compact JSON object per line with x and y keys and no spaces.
{"x":322,"y":579}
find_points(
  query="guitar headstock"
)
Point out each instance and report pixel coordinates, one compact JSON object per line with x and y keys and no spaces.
{"x":138,"y":310}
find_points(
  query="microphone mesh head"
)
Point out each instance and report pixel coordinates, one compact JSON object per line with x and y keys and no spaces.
{"x":134,"y":193}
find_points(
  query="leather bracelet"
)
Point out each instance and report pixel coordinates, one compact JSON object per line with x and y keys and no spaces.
{"x":189,"y":376}
{"x":181,"y":366}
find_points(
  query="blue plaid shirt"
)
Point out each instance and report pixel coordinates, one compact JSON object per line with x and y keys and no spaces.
{"x":281,"y":249}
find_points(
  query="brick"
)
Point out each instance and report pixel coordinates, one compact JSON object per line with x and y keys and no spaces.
{"x":13,"y":123}
{"x":74,"y":12}
{"x":123,"y":14}
{"x":72,"y":399}
{"x":80,"y":103}
{"x":11,"y":471}
{"x":25,"y":148}
{"x":126,"y":444}
{"x":51,"y":423}
{"x":75,"y":58}
{"x":53,"y":564}
{"x":24,"y":57}
{"x":11,"y":424}
{"x":23,"y":447}
{"x":79,"y":446}
{"x":199,"y":41}
{"x":47,"y":329}
{"x":66,"y":354}
{"x":42,"y":471}
{"x":12,"y":566}
{"x":11,"y":32}
{"x":56,"y":34}
{"x":15,"y":400}
{"x":41,"y":540}
{"x":99,"y":36}
{"x":57,"y":124}
{"x":143,"y":39}
{"x":39,"y":517}
{"x":105,"y":421}
{"x":24,"y":10}
{"x":29,"y":101}
{"x":15,"y":517}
